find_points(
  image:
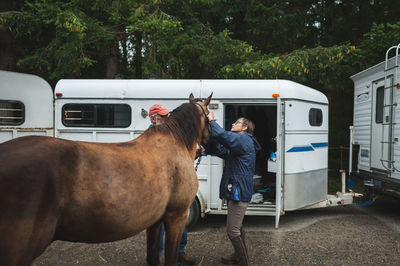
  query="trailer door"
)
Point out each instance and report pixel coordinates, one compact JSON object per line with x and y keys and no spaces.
{"x":380,"y":131}
{"x":280,"y":122}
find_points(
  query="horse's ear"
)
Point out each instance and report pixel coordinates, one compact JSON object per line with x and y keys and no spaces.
{"x":191,"y":98}
{"x":207,"y":101}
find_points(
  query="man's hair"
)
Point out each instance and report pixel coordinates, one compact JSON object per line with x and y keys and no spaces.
{"x":250,"y":125}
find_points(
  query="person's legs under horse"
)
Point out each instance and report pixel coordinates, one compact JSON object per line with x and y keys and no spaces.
{"x":183,"y":258}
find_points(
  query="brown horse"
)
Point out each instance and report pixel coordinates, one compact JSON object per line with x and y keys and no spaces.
{"x":55,"y":189}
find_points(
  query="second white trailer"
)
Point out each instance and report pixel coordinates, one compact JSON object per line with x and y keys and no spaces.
{"x":376,"y":125}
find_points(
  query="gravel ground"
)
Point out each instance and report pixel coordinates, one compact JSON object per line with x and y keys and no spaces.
{"x":334,"y":236}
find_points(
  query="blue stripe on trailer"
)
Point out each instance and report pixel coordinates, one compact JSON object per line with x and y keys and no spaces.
{"x":300,"y":149}
{"x":320,"y":144}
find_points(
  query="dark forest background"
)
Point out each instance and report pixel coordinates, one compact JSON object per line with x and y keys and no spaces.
{"x":319,"y":43}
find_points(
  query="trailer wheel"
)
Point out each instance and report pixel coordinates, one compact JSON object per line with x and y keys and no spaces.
{"x":194,"y":213}
{"x":370,"y":193}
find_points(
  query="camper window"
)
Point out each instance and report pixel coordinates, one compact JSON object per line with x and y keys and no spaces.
{"x":11,"y":112}
{"x":96,"y":115}
{"x":379,"y":105}
{"x":315,"y":117}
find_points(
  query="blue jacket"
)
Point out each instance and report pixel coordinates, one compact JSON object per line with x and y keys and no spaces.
{"x":239,"y":151}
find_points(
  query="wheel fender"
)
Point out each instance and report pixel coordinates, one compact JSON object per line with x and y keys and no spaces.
{"x":202,"y":202}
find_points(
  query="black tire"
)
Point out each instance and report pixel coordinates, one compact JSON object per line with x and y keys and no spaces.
{"x":194,"y":213}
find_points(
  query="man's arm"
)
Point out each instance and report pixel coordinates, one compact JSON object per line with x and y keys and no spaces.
{"x":215,"y":148}
{"x":230,"y":140}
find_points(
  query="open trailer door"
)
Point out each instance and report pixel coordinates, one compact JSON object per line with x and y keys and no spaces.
{"x":279,"y":159}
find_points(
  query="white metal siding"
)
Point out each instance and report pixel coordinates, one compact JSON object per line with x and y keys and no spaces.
{"x":362,"y":122}
{"x":300,"y":134}
{"x":298,"y":162}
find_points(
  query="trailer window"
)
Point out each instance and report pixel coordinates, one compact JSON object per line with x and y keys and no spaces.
{"x":379,"y":105}
{"x":96,"y":115}
{"x":11,"y":113}
{"x":315,"y":117}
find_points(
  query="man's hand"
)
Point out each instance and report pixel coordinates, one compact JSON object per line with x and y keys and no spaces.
{"x":200,"y":152}
{"x":211,"y":116}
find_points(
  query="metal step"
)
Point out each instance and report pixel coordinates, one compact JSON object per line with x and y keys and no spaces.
{"x":258,"y":209}
{"x":390,"y":105}
{"x":391,"y":142}
{"x":388,"y":161}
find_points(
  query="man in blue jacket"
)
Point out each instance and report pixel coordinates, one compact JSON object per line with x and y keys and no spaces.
{"x":238,"y":147}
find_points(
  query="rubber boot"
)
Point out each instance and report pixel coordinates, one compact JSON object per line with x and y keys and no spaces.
{"x":240,"y":250}
{"x":243,"y":236}
{"x":232,"y":259}
{"x":185,"y":259}
{"x":229,"y":259}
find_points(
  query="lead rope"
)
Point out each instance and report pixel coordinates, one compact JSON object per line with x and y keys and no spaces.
{"x":199,"y":158}
{"x":198,"y":162}
{"x":207,"y":121}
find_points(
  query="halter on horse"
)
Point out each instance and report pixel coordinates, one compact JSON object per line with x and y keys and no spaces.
{"x":55,"y":189}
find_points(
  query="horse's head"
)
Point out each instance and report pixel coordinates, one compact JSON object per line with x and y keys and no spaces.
{"x":202,"y":106}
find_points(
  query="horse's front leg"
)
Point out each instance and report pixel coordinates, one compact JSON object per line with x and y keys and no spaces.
{"x":153,"y":242}
{"x":174,"y":225}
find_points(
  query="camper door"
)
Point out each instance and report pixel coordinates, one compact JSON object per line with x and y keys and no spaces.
{"x":380,"y":127}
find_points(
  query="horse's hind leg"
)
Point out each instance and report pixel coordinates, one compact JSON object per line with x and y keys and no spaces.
{"x":174,"y":225}
{"x":153,"y":242}
{"x":22,"y":241}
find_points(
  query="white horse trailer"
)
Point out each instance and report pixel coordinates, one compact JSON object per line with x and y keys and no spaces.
{"x":26,"y":106}
{"x":291,"y":122}
{"x":376,"y":125}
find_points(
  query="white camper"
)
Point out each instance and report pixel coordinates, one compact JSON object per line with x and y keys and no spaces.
{"x":291,"y":125}
{"x":376,"y":125}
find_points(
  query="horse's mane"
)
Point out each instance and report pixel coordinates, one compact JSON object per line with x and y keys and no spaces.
{"x":183,"y":123}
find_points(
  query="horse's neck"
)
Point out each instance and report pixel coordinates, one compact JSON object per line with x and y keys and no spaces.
{"x":158,"y":137}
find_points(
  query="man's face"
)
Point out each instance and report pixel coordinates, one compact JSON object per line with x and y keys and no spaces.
{"x":238,"y":126}
{"x":157,"y":119}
